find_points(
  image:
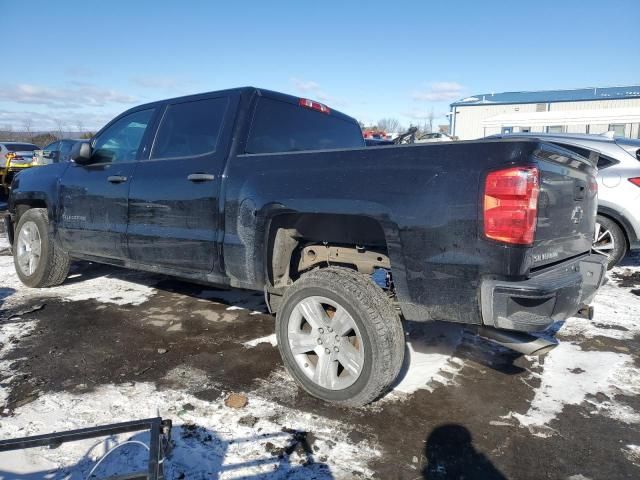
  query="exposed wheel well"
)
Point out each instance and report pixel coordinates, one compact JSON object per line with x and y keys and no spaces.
{"x":290,"y":234}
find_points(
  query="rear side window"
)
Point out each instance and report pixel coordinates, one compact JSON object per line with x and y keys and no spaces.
{"x":604,"y":162}
{"x":190,"y":129}
{"x":284,"y":127}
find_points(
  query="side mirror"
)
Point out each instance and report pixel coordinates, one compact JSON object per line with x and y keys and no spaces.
{"x":81,"y":153}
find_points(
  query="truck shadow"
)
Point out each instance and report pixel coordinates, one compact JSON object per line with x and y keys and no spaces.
{"x":445,"y":345}
{"x":4,"y":293}
{"x":195,"y":453}
{"x":632,"y":259}
{"x":449,"y":454}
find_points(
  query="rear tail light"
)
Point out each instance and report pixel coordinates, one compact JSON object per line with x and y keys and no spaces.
{"x":511,"y":205}
{"x":635,"y":181}
{"x":313,"y":105}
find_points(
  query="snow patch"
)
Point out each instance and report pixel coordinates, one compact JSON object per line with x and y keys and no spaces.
{"x":127,"y":288}
{"x":209,"y":438}
{"x":10,"y":334}
{"x":256,"y":341}
{"x":429,"y":359}
{"x":570,"y":374}
{"x":616,"y":316}
{"x":632,"y":453}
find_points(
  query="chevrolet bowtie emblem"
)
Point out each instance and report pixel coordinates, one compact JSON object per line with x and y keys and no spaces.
{"x":577,"y":214}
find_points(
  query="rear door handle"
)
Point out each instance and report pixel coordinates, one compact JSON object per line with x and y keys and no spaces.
{"x":201,"y":177}
{"x":117,"y":178}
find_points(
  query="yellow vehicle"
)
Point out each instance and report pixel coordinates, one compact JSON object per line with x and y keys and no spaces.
{"x":14,"y":156}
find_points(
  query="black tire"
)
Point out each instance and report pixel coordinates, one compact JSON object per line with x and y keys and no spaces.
{"x":615,"y":233}
{"x":53,"y":265}
{"x":379,"y":324}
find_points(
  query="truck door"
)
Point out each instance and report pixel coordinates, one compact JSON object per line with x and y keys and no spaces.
{"x":173,"y":201}
{"x":92,"y":219}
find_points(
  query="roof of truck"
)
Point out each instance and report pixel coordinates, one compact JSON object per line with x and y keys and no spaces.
{"x":259,"y":91}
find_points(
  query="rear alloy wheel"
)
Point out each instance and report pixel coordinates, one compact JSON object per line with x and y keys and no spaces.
{"x":340,"y":336}
{"x":326,"y":342}
{"x":609,"y":240}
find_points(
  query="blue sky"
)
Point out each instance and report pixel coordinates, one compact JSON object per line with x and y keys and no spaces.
{"x":80,"y":63}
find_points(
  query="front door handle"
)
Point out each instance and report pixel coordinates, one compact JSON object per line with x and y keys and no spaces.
{"x":117,"y":179}
{"x":201,"y":177}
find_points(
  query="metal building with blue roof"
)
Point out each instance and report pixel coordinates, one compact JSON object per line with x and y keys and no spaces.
{"x":580,"y":110}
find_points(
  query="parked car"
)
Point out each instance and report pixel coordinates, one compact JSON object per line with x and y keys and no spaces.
{"x":255,"y":189}
{"x":377,"y":142}
{"x":434,"y":137}
{"x":618,"y":222}
{"x":14,"y":156}
{"x":58,"y":151}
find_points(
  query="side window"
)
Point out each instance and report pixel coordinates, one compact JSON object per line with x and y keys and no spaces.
{"x":65,"y":150}
{"x":604,"y":162}
{"x":51,"y":151}
{"x":190,"y":129}
{"x":121,"y":141}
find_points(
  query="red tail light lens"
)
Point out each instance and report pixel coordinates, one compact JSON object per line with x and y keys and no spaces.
{"x":635,"y":181}
{"x":319,"y":107}
{"x":511,"y":205}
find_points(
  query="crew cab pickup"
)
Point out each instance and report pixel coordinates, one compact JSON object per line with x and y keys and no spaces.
{"x":259,"y":190}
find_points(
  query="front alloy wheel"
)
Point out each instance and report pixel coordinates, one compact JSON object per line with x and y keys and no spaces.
{"x":38,"y":260}
{"x":28,"y":248}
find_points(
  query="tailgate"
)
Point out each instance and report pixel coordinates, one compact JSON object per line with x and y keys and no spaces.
{"x":567,"y":206}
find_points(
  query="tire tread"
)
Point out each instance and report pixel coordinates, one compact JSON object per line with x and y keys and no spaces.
{"x":379,"y":312}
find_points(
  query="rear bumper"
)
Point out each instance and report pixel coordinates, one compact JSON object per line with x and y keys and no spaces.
{"x":556,"y":294}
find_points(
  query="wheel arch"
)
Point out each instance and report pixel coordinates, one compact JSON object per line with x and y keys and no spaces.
{"x":287,"y":232}
{"x":619,"y":220}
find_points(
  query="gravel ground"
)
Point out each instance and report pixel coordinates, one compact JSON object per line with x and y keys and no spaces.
{"x":114,"y":345}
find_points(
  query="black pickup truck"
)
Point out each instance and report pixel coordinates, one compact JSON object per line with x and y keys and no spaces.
{"x":259,"y":190}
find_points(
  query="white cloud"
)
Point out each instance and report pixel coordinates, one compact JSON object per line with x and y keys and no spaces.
{"x":305,"y":85}
{"x":423,"y":114}
{"x":79,"y":72}
{"x":67,"y":119}
{"x":313,"y":89}
{"x":76,"y":94}
{"x":440,"y":92}
{"x":154,"y":81}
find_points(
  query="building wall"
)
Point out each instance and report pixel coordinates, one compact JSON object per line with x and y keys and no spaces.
{"x":467,"y":126}
{"x":468,"y":118}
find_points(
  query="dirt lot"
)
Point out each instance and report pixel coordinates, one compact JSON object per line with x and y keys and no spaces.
{"x":113,"y":345}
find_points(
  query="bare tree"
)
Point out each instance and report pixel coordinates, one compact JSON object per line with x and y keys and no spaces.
{"x":27,"y":127}
{"x":80,"y":127}
{"x":60,"y":128}
{"x":389,"y":125}
{"x":7,"y":131}
{"x":430,"y":120}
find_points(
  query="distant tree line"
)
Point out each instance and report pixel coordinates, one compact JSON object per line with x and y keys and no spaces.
{"x":41,"y":138}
